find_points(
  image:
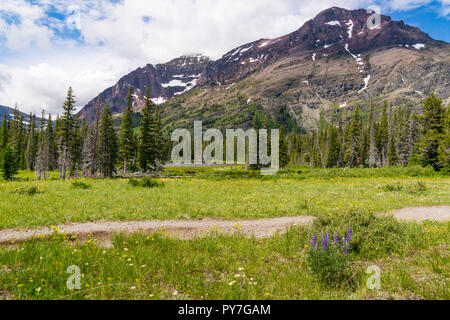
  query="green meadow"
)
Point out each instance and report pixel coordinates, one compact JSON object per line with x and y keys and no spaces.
{"x":413,"y":257}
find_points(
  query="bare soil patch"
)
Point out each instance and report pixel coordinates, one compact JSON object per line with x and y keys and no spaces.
{"x":261,"y":228}
{"x":437,"y":213}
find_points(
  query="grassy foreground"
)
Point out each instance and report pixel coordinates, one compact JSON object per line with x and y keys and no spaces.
{"x":228,"y":196}
{"x":219,"y":267}
{"x":414,"y":259}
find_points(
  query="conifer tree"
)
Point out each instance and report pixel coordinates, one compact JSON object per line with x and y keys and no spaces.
{"x":333,"y":147}
{"x":4,"y":134}
{"x":284,"y":152}
{"x":392,"y":153}
{"x":43,"y":154}
{"x":383,"y":135}
{"x":444,"y":145}
{"x":433,"y":125}
{"x":403,"y":147}
{"x":353,"y":157}
{"x":373,"y":152}
{"x":126,"y":141}
{"x":17,"y":139}
{"x":108,"y":145}
{"x":90,"y":147}
{"x":147,"y":148}
{"x":8,"y":165}
{"x":159,"y":142}
{"x":66,"y":134}
{"x":77,"y":146}
{"x":31,"y":148}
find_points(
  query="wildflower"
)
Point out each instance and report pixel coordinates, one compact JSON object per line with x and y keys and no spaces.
{"x":336,"y":238}
{"x":324,"y":242}
{"x":314,"y":241}
{"x":348,"y":237}
{"x":328,"y":236}
{"x":345,"y":248}
{"x":38,"y":289}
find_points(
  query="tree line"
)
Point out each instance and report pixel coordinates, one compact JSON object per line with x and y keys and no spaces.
{"x":402,"y":135}
{"x":77,"y":149}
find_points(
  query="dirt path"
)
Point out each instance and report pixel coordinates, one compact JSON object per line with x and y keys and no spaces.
{"x":261,"y":228}
{"x":438,"y":213}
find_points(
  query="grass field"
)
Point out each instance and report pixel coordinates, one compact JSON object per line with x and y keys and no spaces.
{"x":414,"y":258}
{"x":55,"y":202}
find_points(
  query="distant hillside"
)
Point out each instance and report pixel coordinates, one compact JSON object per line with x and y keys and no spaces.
{"x":10,"y":115}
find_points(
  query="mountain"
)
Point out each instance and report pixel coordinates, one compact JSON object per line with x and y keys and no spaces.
{"x":165,"y":80}
{"x":333,"y":61}
{"x":10,"y":115}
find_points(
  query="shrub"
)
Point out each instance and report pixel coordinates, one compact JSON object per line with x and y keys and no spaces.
{"x":145,"y":182}
{"x":391,"y":187}
{"x":419,"y":187}
{"x":80,"y":185}
{"x":332,"y":262}
{"x":375,"y":236}
{"x":27,"y":190}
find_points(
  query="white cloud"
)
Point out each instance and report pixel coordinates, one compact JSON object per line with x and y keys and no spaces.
{"x":121,"y":36}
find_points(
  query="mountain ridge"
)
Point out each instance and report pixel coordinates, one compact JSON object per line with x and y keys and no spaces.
{"x":314,"y":55}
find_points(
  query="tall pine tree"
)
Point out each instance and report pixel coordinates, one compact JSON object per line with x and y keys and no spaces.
{"x":126,"y":141}
{"x":66,"y":134}
{"x":147,"y":147}
{"x":108,"y":146}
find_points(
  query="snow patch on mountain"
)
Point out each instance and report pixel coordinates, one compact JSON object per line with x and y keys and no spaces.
{"x":366,"y":83}
{"x":159,"y":100}
{"x":174,"y":83}
{"x":265,"y":43}
{"x":350,"y":28}
{"x":333,"y":23}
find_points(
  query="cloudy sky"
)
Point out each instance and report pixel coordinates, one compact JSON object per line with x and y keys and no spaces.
{"x":48,"y":45}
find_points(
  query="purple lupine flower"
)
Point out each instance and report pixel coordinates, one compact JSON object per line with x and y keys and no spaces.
{"x":314,"y":241}
{"x":328,"y":236}
{"x":336,"y":238}
{"x":348,"y":237}
{"x":345,"y":248}
{"x":324,"y":242}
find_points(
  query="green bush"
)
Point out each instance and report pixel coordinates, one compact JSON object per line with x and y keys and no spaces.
{"x":331,"y":266}
{"x":391,"y":187}
{"x":375,"y":236}
{"x":145,"y":182}
{"x":27,"y":190}
{"x":80,"y":185}
{"x":419,"y":187}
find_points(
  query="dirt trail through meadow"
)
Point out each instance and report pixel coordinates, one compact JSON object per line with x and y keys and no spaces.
{"x":261,"y":228}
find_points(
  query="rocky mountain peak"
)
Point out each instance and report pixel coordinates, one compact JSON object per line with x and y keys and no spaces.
{"x":334,"y":33}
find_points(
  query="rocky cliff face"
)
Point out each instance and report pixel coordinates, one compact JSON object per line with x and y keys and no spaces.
{"x":333,"y":61}
{"x":165,"y":81}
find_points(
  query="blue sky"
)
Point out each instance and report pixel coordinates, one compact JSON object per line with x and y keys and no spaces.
{"x":48,"y":45}
{"x":428,"y":19}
